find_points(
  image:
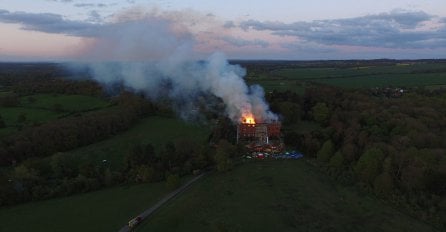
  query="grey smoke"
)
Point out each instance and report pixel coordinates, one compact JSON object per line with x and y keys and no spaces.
{"x":155,"y":55}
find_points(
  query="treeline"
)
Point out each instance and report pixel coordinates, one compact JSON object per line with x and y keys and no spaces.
{"x":32,"y":86}
{"x":72,"y":132}
{"x":63,"y":174}
{"x":393,"y":147}
{"x":27,"y":79}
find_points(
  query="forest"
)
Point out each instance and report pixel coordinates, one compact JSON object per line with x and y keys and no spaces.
{"x":392,"y":147}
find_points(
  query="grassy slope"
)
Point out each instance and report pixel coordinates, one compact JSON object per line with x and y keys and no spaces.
{"x":155,"y":130}
{"x":105,"y":210}
{"x":277,"y":196}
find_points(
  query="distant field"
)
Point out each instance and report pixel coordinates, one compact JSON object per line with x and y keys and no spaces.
{"x":72,"y":103}
{"x":11,"y":114}
{"x":420,"y":74}
{"x":280,"y":85}
{"x":395,"y":80}
{"x":277,"y":196}
{"x":105,"y":210}
{"x":155,"y":130}
{"x":41,"y":108}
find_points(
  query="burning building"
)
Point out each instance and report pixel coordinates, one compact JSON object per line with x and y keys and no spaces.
{"x":259,"y":132}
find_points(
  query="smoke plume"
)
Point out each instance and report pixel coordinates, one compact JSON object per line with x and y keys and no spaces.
{"x":154,"y":54}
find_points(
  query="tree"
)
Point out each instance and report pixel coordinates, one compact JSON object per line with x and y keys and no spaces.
{"x":414,"y":175}
{"x":223,"y":160}
{"x":145,"y":173}
{"x":325,"y":153}
{"x":384,"y":184}
{"x":349,"y":152}
{"x":369,"y":165}
{"x":290,"y":112}
{"x":140,"y":155}
{"x":63,"y":166}
{"x":23,"y":173}
{"x":321,"y":113}
{"x":337,"y":161}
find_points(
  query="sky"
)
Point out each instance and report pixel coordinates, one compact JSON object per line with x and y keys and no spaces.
{"x":64,"y":30}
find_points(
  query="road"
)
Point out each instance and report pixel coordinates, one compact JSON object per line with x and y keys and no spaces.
{"x":144,"y":215}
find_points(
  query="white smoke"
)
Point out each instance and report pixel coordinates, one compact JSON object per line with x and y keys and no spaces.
{"x":154,"y":54}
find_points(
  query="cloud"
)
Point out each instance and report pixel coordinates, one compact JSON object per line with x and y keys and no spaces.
{"x":239,"y":42}
{"x":87,"y":5}
{"x":49,"y":23}
{"x":397,"y":29}
{"x":60,"y":0}
{"x":229,"y":24}
{"x":94,"y":16}
{"x":411,"y":33}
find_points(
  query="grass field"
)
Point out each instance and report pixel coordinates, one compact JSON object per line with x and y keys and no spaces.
{"x":11,"y":114}
{"x":71,"y":103}
{"x":315,"y":73}
{"x":40,"y":108}
{"x":105,"y":210}
{"x":277,"y":196}
{"x":280,"y":85}
{"x":155,"y":130}
{"x":429,"y":75}
{"x":381,"y":80}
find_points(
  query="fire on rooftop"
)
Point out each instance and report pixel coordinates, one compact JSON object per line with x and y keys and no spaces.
{"x":260,"y":133}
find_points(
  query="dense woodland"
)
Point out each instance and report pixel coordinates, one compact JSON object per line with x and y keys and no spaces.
{"x":393,"y":147}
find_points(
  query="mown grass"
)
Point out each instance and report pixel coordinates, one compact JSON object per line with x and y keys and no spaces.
{"x":154,"y":130}
{"x":105,"y":210}
{"x":277,"y":196}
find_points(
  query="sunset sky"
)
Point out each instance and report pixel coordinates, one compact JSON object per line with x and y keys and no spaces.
{"x":63,"y":30}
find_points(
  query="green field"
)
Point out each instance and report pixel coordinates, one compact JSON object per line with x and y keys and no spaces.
{"x":11,"y":114}
{"x":280,"y":85}
{"x":40,"y":108}
{"x":294,"y":79}
{"x":277,"y":196}
{"x":155,"y":130}
{"x":71,"y":103}
{"x":105,"y":210}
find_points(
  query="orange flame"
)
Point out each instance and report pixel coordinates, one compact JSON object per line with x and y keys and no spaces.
{"x":248,"y":119}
